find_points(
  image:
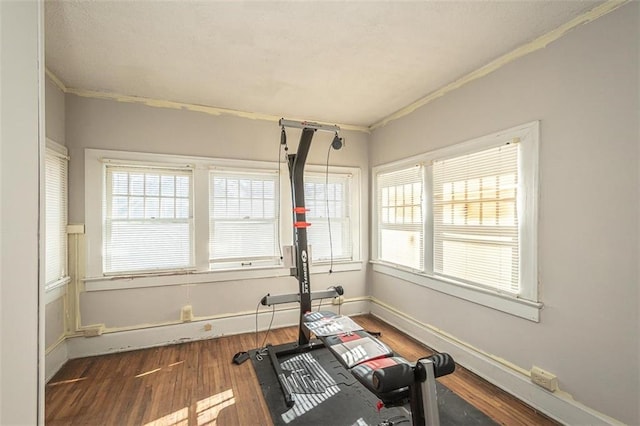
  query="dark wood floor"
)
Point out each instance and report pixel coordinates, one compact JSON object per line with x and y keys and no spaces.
{"x":196,"y":384}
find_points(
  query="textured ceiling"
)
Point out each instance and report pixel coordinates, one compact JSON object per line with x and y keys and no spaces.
{"x":351,"y":62}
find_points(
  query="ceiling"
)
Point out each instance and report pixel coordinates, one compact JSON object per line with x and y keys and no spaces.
{"x":349,"y":62}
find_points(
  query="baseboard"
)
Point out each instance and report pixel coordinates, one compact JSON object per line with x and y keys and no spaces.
{"x":557,"y":405}
{"x":55,"y":358}
{"x":112,"y":341}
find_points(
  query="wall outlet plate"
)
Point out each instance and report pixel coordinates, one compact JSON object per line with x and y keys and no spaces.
{"x":544,"y":379}
{"x":93,"y":330}
{"x":186,"y":315}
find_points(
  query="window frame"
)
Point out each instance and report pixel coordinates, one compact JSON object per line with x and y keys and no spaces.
{"x":94,"y":183}
{"x":526,"y":304}
{"x":252,"y":261}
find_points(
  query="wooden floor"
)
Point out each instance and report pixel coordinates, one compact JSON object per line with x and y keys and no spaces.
{"x":196,"y":384}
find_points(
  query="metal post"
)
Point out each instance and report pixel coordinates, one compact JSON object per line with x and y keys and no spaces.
{"x":296,"y":174}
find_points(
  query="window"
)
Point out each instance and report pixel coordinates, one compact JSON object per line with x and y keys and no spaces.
{"x":173,"y":220}
{"x":148,"y":220}
{"x":475,"y":221}
{"x":465,"y":223}
{"x":401,"y":227}
{"x":243,"y":219}
{"x":56,"y":165}
{"x":327,"y":200}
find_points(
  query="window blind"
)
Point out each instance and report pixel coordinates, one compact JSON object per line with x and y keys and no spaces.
{"x":242,"y":218}
{"x":148,"y":219}
{"x":327,"y":201}
{"x":400,"y":217}
{"x":56,"y":166}
{"x":475,"y":218}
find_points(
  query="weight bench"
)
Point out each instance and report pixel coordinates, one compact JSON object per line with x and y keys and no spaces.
{"x":394,"y":380}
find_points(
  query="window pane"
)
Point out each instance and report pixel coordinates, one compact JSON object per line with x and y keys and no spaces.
{"x":167,"y":186}
{"x":136,"y":182}
{"x":136,"y":207}
{"x":152,"y":187}
{"x":120,"y":183}
{"x":183,"y":186}
{"x":147,"y":228}
{"x":182,"y":208}
{"x":167,"y":208}
{"x":152,"y":208}
{"x":120,"y":207}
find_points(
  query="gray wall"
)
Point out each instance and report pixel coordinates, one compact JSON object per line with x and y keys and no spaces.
{"x":584,"y":89}
{"x":54,"y":112}
{"x":104,"y":124}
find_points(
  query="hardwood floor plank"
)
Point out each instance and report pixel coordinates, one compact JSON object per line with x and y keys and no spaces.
{"x":196,"y":383}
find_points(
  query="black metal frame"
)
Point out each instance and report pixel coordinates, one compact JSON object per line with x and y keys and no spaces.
{"x":296,"y":163}
{"x":296,"y":173}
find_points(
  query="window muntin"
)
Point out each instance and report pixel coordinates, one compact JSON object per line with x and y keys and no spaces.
{"x":327,"y":198}
{"x":243,"y":219}
{"x":400,"y":217}
{"x":475,"y":218}
{"x":56,"y":167}
{"x":148,"y":219}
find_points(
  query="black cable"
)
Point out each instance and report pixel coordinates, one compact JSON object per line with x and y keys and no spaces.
{"x":326,"y":192}
{"x":279,"y":242}
{"x":261,"y":350}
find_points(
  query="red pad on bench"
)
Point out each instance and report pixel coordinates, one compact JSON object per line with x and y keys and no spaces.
{"x":356,"y":347}
{"x":345,"y":339}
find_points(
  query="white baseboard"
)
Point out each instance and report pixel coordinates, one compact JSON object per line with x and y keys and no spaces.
{"x":557,"y":405}
{"x":55,"y":359}
{"x":127,"y":340}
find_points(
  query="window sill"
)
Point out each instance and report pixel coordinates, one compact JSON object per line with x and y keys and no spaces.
{"x":502,"y":302}
{"x":56,"y":289}
{"x":202,"y":277}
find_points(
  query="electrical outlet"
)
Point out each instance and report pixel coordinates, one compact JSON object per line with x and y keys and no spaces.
{"x":337,"y":300}
{"x":93,"y":330}
{"x":187,"y":313}
{"x":544,"y":379}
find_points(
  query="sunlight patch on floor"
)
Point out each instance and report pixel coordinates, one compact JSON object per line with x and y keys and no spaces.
{"x":207,"y":411}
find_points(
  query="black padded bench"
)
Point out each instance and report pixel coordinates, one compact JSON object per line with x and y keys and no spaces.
{"x":394,"y":380}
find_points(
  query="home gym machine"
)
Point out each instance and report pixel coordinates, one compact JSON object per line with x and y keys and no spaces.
{"x":301,"y":268}
{"x":392,"y":379}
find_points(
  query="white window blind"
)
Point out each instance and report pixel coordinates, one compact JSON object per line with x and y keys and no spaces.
{"x":475,"y":218}
{"x":327,"y":201}
{"x":148,"y":219}
{"x":400,"y":217}
{"x":242,"y":219}
{"x":56,"y":166}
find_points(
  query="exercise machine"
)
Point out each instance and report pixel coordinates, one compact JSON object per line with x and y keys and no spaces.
{"x":392,"y":379}
{"x":301,"y":269}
